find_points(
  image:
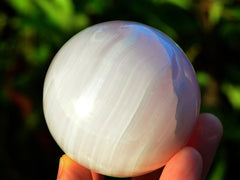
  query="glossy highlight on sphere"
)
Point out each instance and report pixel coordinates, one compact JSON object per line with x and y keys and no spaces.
{"x":121,"y":98}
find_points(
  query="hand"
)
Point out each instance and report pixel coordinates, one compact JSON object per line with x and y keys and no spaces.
{"x":190,"y":163}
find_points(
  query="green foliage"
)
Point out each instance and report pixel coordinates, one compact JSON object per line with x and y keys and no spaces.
{"x":233,"y":94}
{"x":32,"y":31}
{"x":184,"y":4}
{"x":219,"y":171}
{"x":215,"y":12}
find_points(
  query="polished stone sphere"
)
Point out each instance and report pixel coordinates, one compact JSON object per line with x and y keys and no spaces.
{"x":121,"y":98}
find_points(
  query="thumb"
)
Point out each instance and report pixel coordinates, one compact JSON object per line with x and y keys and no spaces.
{"x":71,"y":170}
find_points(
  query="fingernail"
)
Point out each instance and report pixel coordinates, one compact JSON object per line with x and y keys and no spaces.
{"x":60,"y":168}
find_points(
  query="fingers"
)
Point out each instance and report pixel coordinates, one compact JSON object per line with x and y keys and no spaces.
{"x":185,"y":165}
{"x":70,"y":170}
{"x":205,"y":139}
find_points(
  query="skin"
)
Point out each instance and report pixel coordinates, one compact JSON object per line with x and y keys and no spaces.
{"x":192,"y":162}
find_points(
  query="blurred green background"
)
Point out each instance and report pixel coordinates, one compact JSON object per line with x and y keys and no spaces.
{"x":32,"y":31}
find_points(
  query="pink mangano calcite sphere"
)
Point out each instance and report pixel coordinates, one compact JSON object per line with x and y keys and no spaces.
{"x":121,"y":98}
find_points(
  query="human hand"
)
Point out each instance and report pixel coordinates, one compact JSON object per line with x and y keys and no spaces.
{"x":191,"y":163}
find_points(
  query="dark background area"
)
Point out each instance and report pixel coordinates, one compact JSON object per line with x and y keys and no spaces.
{"x":32,"y":31}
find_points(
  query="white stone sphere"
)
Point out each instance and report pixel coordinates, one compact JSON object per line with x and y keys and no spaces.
{"x":121,"y":98}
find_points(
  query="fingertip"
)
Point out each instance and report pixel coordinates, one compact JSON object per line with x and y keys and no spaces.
{"x":213,"y":122}
{"x":192,"y":154}
{"x":186,"y":164}
{"x":195,"y":158}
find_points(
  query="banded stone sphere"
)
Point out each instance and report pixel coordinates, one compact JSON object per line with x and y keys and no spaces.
{"x":121,"y":98}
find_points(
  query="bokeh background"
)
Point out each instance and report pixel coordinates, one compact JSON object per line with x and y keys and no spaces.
{"x":32,"y":31}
